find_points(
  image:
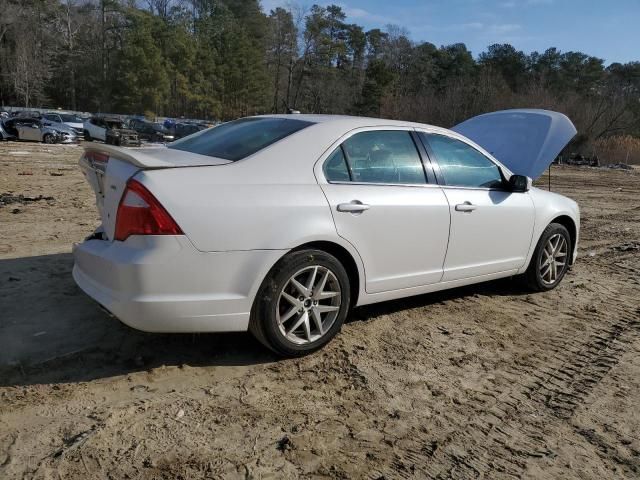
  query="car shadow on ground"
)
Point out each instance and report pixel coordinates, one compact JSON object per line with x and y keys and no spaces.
{"x":51,"y":332}
{"x":502,"y":287}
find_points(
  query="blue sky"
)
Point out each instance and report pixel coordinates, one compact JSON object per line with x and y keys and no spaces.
{"x":606,"y":29}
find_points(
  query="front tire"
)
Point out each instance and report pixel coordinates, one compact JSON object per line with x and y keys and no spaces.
{"x":550,"y":260}
{"x":87,"y":136}
{"x":48,"y":138}
{"x":302,"y":303}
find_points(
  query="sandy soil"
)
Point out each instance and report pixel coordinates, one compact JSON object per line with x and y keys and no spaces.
{"x":481,"y":382}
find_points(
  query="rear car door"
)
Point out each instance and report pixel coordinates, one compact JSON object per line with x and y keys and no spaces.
{"x":384,"y":203}
{"x":30,"y":131}
{"x":491,"y":227}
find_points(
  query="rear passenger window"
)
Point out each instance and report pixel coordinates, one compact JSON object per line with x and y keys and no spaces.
{"x":335,"y":168}
{"x":384,"y":156}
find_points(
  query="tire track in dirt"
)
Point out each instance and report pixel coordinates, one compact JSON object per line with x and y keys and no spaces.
{"x":558,"y":378}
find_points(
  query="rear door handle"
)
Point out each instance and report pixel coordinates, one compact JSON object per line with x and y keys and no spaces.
{"x":355,"y":206}
{"x":465,"y":207}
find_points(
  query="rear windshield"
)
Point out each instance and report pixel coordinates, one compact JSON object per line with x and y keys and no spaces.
{"x":240,"y":138}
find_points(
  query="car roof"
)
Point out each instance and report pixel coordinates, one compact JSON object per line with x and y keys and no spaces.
{"x":352,"y":121}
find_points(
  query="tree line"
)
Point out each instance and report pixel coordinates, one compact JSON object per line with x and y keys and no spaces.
{"x":222,"y":59}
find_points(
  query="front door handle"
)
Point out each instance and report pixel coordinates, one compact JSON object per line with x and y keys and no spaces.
{"x":465,"y":207}
{"x":355,"y":206}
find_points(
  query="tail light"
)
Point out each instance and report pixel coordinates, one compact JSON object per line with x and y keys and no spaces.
{"x":97,"y":160}
{"x":96,"y":157}
{"x":139,"y":213}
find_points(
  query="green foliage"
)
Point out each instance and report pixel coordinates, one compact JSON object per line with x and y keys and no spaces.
{"x":221,"y":59}
{"x":507,"y":61}
{"x":378,"y":78}
{"x":141,"y":79}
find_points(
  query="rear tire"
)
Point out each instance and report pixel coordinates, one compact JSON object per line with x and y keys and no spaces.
{"x":292,"y":319}
{"x":550,"y":260}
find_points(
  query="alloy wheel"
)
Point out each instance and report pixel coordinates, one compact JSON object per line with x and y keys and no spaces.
{"x":553,"y":260}
{"x":308,"y":304}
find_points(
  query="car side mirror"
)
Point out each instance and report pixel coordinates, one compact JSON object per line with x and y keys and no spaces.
{"x":518,"y":183}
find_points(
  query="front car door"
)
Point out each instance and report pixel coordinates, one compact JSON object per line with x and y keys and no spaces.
{"x":97,"y":129}
{"x":384,"y":205}
{"x":491,"y":227}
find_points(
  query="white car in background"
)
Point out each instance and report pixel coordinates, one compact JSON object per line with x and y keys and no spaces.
{"x":110,"y":129}
{"x":280,"y":224}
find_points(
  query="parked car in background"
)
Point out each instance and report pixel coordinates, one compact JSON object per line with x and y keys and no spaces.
{"x":26,"y":113}
{"x":150,"y":131}
{"x":38,"y":130}
{"x":280,"y":224}
{"x":111,"y":130}
{"x":7,"y":132}
{"x":69,"y":119}
{"x":185,"y":129}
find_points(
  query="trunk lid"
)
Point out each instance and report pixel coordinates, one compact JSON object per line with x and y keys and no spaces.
{"x":526,"y":141}
{"x":107,"y":168}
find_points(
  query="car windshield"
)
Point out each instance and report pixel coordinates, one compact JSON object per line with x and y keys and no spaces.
{"x":66,"y":117}
{"x":240,"y":138}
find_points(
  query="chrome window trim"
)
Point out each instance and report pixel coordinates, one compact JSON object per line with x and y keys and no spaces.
{"x":478,"y":188}
{"x":431,"y":185}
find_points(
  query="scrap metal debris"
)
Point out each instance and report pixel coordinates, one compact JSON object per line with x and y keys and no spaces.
{"x":9,"y":199}
{"x":627,"y":246}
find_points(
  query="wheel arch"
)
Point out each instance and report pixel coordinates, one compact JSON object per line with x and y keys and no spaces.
{"x":567,"y":222}
{"x":563,"y":218}
{"x":345,"y":257}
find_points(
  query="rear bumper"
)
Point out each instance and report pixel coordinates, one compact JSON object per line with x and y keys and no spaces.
{"x":163,"y":284}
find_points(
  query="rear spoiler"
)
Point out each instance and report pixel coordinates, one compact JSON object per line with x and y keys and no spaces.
{"x":155,"y":157}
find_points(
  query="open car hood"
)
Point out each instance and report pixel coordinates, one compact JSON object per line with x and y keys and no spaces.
{"x":525,"y":141}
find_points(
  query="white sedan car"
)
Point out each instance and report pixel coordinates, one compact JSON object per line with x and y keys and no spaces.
{"x":280,"y":224}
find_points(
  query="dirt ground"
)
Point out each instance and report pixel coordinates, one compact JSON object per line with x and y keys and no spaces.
{"x":487,"y":381}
